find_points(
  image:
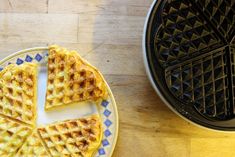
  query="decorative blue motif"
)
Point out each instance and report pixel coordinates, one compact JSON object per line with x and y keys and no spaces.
{"x":101,"y":151}
{"x":28,"y":58}
{"x":38,"y":57}
{"x":105,"y":103}
{"x":107,"y":133}
{"x":1,"y":68}
{"x":105,"y":142}
{"x":107,"y":112}
{"x":19,"y":61}
{"x":108,"y":123}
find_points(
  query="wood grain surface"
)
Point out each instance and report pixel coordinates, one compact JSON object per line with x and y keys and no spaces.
{"x":108,"y":33}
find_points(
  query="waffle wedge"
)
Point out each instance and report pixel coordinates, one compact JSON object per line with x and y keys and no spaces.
{"x":33,"y":147}
{"x":12,"y":136}
{"x":76,"y":138}
{"x":71,"y":79}
{"x":18,"y":92}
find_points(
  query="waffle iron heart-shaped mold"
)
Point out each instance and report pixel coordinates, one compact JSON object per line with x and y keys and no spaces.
{"x":190,"y":53}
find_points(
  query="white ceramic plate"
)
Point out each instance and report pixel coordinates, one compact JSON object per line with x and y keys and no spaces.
{"x":107,"y":109}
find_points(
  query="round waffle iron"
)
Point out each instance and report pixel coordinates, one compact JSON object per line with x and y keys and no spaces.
{"x":189,"y":51}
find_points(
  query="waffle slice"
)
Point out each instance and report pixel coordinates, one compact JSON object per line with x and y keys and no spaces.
{"x":71,"y":79}
{"x":33,"y":147}
{"x":18,"y":92}
{"x":13,"y":134}
{"x":76,"y":138}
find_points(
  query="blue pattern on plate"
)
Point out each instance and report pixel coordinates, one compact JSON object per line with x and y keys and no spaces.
{"x":38,"y":57}
{"x":101,"y":151}
{"x":107,"y":140}
{"x":107,"y":133}
{"x":104,"y":103}
{"x":19,"y":61}
{"x":108,"y":123}
{"x":107,"y":113}
{"x":28,"y":58}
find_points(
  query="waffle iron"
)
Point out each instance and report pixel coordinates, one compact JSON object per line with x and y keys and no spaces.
{"x":189,"y":53}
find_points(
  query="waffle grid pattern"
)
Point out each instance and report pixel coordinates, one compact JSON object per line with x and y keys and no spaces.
{"x":80,"y":83}
{"x":17,"y":93}
{"x":12,"y":137}
{"x":232,"y":60}
{"x":204,"y":82}
{"x":182,"y":33}
{"x":107,"y":110}
{"x":192,"y":45}
{"x":71,"y":138}
{"x":33,"y":147}
{"x":222,"y":15}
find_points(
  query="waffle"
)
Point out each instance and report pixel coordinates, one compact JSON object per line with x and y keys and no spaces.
{"x":77,"y":138}
{"x":18,"y":92}
{"x":33,"y":147}
{"x":13,"y":134}
{"x":71,"y":79}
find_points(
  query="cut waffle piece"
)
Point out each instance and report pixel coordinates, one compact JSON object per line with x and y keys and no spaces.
{"x":77,"y":138}
{"x":33,"y":147}
{"x":71,"y":79}
{"x":18,"y":92}
{"x":13,"y":135}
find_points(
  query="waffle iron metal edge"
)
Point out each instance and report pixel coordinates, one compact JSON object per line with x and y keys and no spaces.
{"x":196,"y":82}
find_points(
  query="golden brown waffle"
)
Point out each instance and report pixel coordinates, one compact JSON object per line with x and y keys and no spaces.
{"x":71,"y":79}
{"x":33,"y":147}
{"x":18,"y":92}
{"x":76,"y":138}
{"x":12,"y":136}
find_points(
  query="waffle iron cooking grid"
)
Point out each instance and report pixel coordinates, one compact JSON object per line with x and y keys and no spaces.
{"x":190,"y":54}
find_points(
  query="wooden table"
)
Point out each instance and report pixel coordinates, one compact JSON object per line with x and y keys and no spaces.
{"x":108,"y":33}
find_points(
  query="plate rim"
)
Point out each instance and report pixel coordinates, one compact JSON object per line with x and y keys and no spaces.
{"x":20,"y":52}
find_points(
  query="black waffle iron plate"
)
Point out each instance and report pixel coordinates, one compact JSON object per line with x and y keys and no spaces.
{"x":189,"y":52}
